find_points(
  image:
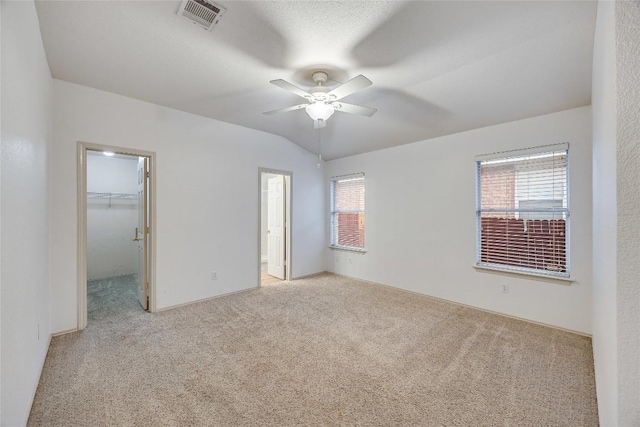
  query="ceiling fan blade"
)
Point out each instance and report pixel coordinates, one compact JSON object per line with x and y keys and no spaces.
{"x":353,"y":109}
{"x":291,"y":88}
{"x":284,"y":110}
{"x":349,"y":87}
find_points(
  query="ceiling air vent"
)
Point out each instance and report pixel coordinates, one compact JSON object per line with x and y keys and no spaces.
{"x":203,"y":13}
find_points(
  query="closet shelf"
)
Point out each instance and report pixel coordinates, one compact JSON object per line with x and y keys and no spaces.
{"x":111,"y":196}
{"x":121,"y":196}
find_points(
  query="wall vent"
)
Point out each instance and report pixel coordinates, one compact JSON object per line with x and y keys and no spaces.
{"x":201,"y":12}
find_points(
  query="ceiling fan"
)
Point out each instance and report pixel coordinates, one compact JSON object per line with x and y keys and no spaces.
{"x":322,"y":101}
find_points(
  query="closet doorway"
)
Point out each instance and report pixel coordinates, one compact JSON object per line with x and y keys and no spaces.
{"x":115,"y":245}
{"x":274,"y":226}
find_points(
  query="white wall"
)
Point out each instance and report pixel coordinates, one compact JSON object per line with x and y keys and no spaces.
{"x":420,"y":220}
{"x":111,"y":223}
{"x":207,"y":195}
{"x":605,"y":214}
{"x":26,"y":132}
{"x":628,"y":192}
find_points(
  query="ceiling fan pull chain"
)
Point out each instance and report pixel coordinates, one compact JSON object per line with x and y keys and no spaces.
{"x":319,"y":146}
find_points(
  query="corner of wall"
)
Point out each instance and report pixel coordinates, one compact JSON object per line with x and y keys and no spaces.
{"x":605,"y":215}
{"x":1,"y":6}
{"x":627,"y":50}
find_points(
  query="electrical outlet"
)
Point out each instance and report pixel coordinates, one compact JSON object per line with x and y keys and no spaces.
{"x":214,"y":276}
{"x":505,"y":289}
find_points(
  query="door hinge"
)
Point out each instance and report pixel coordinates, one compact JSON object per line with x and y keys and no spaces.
{"x":147,"y":175}
{"x":147,"y":230}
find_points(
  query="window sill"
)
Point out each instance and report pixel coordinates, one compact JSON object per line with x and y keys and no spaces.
{"x":344,"y":248}
{"x":490,"y":269}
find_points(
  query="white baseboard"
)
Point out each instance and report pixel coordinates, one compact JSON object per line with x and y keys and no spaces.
{"x":467,"y":306}
{"x":68,"y":331}
{"x":320,"y":273}
{"x":171,"y":307}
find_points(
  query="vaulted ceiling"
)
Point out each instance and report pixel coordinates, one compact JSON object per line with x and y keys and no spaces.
{"x":437,"y":67}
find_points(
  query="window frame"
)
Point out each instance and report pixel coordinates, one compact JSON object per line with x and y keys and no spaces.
{"x":333,"y":211}
{"x":505,"y":155}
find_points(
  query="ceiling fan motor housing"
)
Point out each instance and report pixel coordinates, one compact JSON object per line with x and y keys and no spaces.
{"x":319,"y":93}
{"x":320,"y":77}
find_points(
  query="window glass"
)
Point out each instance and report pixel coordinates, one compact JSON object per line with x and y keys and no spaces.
{"x":523,"y":211}
{"x":347,"y":212}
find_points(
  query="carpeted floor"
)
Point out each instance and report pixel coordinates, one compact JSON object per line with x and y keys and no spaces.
{"x":113,"y":297}
{"x":320,"y":351}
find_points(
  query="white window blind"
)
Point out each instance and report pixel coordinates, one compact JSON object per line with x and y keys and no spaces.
{"x":347,"y":211}
{"x":522,"y":210}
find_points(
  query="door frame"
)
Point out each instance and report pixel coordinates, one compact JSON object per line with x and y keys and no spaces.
{"x":288,"y":217}
{"x":82,"y":149}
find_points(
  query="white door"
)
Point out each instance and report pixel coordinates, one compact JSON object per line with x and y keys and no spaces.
{"x":142,"y":232}
{"x":275,"y":227}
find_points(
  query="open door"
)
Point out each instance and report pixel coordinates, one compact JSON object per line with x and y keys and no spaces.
{"x":144,"y":198}
{"x":275,"y":227}
{"x":142,"y":232}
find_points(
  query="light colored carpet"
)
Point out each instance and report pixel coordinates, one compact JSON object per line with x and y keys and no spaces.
{"x":113,"y":297}
{"x":320,"y":351}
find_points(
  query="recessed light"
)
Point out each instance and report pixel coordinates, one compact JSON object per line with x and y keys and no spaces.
{"x":108,"y":153}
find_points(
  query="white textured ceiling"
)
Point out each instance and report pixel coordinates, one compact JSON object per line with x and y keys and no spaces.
{"x":437,"y":67}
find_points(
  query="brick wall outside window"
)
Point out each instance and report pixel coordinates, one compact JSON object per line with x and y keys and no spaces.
{"x":499,"y":189}
{"x":536,"y":244}
{"x":350,"y":229}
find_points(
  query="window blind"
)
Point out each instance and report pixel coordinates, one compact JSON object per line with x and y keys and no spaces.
{"x":347,"y":211}
{"x":522,"y":211}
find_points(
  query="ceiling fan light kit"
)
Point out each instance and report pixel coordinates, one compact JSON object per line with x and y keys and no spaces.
{"x":319,"y":110}
{"x":322,"y":101}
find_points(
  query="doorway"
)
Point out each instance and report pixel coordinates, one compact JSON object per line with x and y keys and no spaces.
{"x":274,"y":226}
{"x":116,"y":249}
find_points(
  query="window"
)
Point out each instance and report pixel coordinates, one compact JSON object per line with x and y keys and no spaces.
{"x":347,"y":212}
{"x":522,"y":210}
